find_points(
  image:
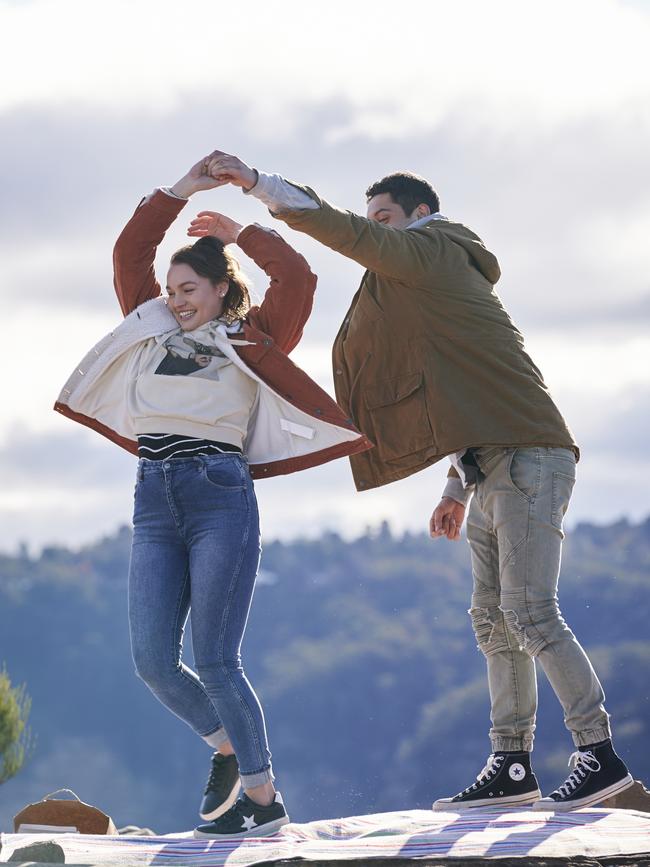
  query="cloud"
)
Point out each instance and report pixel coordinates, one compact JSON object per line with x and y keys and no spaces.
{"x":504,"y":60}
{"x":567,"y":212}
{"x":531,"y":120}
{"x":72,"y":486}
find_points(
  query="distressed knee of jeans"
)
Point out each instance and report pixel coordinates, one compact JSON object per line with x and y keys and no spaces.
{"x":483,"y":626}
{"x":523,"y":637}
{"x":547,"y":625}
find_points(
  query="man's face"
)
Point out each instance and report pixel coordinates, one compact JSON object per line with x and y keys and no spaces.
{"x":382,"y":209}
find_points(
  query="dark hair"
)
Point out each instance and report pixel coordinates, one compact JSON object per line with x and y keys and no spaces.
{"x":406,"y":190}
{"x":208,"y":258}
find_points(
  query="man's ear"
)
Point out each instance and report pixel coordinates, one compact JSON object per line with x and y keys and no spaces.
{"x":422,"y":210}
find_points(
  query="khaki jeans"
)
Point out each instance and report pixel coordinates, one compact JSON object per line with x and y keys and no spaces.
{"x":514,"y":528}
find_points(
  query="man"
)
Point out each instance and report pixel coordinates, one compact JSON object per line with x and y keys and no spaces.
{"x":428,"y":364}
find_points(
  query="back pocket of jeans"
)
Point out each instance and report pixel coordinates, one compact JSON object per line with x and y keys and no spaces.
{"x":562,"y":489}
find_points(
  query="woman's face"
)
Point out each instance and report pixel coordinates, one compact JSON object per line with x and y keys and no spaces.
{"x":194,"y":300}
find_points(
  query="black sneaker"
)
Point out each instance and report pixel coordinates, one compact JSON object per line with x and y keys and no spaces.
{"x":247,"y":819}
{"x":222,"y":787}
{"x":506,"y":781}
{"x":598,"y":773}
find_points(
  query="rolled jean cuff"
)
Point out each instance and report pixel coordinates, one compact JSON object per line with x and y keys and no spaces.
{"x":249,"y":781}
{"x":591,"y":736}
{"x":216,"y":738}
{"x":511,"y":745}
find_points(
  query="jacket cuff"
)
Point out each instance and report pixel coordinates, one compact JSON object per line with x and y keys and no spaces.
{"x":248,"y":233}
{"x":168,"y":203}
{"x":454,"y":490}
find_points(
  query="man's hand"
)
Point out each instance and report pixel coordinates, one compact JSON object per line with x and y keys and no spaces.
{"x":447,"y":519}
{"x":217,"y":225}
{"x":228,"y":169}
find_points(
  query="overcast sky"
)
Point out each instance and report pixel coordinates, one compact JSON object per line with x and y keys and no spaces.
{"x":531,"y":119}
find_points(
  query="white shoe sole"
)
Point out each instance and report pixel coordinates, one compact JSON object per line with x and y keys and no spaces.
{"x":564,"y":807}
{"x":446,"y":804}
{"x":260,"y":831}
{"x":225,"y":805}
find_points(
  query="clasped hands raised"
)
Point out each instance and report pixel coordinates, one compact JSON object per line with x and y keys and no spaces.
{"x":215,"y":170}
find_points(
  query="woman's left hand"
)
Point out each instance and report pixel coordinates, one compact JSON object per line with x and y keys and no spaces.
{"x":218,"y":225}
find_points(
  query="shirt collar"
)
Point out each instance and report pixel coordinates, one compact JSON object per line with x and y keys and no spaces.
{"x":423,"y":220}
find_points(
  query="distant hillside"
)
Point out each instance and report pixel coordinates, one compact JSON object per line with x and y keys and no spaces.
{"x":362,"y":652}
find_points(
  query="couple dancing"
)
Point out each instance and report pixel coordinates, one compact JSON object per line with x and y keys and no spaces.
{"x":427,"y":364}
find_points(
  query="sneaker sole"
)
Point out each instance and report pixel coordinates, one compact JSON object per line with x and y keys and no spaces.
{"x":444,"y":805}
{"x":225,"y":805}
{"x":564,"y":807}
{"x":260,"y":831}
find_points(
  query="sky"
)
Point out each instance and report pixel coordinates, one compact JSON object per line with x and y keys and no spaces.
{"x":532,"y":121}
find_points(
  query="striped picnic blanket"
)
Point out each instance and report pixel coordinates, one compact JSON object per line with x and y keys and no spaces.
{"x":412,"y":834}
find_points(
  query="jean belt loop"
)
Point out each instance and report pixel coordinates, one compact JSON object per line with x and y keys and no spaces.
{"x":141,"y":470}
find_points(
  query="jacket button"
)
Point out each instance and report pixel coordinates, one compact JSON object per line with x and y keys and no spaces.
{"x":267,"y":341}
{"x":339,"y":372}
{"x":319,"y":412}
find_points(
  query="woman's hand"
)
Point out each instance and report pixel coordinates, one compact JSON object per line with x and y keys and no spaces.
{"x":219,"y":226}
{"x":228,"y":169}
{"x":196,"y":179}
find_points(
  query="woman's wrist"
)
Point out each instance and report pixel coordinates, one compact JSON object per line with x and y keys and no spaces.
{"x":183,"y":188}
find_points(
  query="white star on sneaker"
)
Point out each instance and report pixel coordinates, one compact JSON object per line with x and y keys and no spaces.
{"x":516,"y":771}
{"x":249,"y":823}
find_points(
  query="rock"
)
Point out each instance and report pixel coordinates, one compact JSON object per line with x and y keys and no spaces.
{"x":135,"y":831}
{"x":44,"y":851}
{"x":637,"y":797}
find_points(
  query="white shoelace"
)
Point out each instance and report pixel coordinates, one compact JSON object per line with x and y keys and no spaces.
{"x":491,"y":767}
{"x":582,"y":763}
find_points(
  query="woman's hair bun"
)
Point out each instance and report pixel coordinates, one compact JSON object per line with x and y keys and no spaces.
{"x":209,"y":242}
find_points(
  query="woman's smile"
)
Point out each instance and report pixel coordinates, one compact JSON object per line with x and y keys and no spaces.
{"x":184,"y":285}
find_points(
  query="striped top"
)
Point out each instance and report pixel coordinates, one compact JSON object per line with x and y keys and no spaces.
{"x":162,"y":447}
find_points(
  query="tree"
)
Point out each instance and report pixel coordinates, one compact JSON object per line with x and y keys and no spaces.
{"x":15,"y":739}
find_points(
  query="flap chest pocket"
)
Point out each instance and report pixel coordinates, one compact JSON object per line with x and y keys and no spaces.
{"x":393,"y":390}
{"x":398,"y":417}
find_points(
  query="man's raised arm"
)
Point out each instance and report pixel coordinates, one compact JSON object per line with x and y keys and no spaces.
{"x":403,"y":255}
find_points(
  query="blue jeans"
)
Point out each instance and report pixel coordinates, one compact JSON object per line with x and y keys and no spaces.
{"x":515,"y":532}
{"x":196,"y":548}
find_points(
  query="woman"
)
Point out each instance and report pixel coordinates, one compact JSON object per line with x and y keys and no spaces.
{"x":198,"y":384}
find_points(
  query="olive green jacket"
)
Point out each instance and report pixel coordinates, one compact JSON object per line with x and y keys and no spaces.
{"x":427,"y":362}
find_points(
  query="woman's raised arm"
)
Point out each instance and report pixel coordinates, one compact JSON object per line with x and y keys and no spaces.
{"x":135,"y":249}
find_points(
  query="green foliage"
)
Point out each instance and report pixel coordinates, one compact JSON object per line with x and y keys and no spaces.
{"x":362,"y":651}
{"x":15,"y":739}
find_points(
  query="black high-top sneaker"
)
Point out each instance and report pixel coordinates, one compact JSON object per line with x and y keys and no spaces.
{"x":506,"y":780}
{"x":247,"y":819}
{"x":598,"y":773}
{"x":222,"y":787}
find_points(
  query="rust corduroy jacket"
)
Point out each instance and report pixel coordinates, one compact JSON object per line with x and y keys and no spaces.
{"x":294,"y":425}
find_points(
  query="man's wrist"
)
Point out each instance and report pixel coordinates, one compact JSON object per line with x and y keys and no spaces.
{"x":254,"y":178}
{"x":454,"y":490}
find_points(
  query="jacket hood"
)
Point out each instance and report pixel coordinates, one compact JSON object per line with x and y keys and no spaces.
{"x":481,"y":257}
